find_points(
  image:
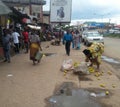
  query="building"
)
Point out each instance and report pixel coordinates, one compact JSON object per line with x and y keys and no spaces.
{"x":4,"y":11}
{"x":46,"y":17}
{"x":30,"y":7}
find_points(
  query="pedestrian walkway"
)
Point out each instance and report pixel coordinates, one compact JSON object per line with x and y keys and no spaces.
{"x":24,"y":85}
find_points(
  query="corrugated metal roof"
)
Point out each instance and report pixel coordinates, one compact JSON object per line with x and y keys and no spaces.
{"x":4,"y":9}
{"x":24,"y":2}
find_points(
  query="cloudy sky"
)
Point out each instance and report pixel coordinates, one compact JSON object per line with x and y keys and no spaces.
{"x":93,"y":9}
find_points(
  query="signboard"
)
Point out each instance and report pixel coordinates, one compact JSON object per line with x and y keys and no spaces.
{"x":60,"y":10}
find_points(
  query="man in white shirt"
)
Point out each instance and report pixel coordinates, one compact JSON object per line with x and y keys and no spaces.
{"x":15,"y":36}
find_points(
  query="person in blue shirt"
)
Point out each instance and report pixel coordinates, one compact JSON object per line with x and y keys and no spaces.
{"x":6,"y":44}
{"x":67,"y":39}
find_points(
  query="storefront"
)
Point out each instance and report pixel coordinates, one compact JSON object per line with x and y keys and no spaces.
{"x":4,"y":11}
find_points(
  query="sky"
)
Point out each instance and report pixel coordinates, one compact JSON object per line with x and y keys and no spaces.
{"x":102,"y":10}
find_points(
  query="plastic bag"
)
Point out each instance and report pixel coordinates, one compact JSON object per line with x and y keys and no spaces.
{"x":81,"y":68}
{"x":38,"y":56}
{"x":67,"y":65}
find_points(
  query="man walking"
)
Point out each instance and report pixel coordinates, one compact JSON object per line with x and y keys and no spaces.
{"x":16,"y":36}
{"x":6,"y":44}
{"x":67,"y":39}
{"x":26,"y":39}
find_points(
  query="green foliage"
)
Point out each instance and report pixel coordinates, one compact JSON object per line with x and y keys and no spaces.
{"x":113,"y":35}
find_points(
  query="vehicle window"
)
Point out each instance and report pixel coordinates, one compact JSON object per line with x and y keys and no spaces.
{"x":93,"y":34}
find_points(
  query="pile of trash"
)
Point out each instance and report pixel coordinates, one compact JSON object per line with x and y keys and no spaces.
{"x":83,"y":69}
{"x":76,"y":67}
{"x":55,"y":41}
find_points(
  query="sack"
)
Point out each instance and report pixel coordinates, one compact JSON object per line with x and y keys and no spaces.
{"x":67,"y":65}
{"x":82,"y":68}
{"x":38,"y":56}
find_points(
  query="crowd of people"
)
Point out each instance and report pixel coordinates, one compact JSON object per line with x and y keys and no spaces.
{"x":20,"y":40}
{"x":30,"y":40}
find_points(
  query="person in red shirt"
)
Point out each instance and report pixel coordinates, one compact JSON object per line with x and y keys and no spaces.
{"x":26,"y":40}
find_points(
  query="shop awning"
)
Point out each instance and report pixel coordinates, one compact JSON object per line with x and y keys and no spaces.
{"x":4,"y":9}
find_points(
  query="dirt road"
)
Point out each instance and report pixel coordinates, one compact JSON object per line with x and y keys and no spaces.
{"x":112,"y":47}
{"x":25,"y":85}
{"x":112,"y":50}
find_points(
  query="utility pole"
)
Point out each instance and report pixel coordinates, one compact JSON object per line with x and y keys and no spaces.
{"x":41,"y":13}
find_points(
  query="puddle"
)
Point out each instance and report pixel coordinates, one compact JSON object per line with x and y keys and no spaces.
{"x":50,"y":54}
{"x":110,"y":60}
{"x":67,"y":96}
{"x":102,"y":94}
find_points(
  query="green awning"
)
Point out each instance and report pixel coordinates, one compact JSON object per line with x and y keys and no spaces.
{"x":4,"y":9}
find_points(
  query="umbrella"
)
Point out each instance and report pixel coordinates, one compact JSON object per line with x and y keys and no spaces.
{"x":4,"y":9}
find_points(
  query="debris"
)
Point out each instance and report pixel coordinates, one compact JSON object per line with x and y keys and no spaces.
{"x":113,"y":86}
{"x":110,"y":73}
{"x":65,"y":74}
{"x":81,"y":68}
{"x":52,"y":100}
{"x":97,"y":74}
{"x":107,"y":92}
{"x":47,"y":46}
{"x":102,"y":94}
{"x":98,"y":79}
{"x":65,"y":71}
{"x":102,"y":85}
{"x":93,"y":95}
{"x":91,"y":69}
{"x":44,"y":55}
{"x":9,"y":75}
{"x":76,"y":64}
{"x":102,"y":72}
{"x":67,"y":65}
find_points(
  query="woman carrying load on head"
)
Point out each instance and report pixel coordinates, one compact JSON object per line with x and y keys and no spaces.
{"x":34,"y":46}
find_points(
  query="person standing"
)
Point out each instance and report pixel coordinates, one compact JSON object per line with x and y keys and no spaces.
{"x":73,"y":42}
{"x":34,"y":47}
{"x":15,"y":36}
{"x":77,"y":40}
{"x":26,"y":40}
{"x":6,"y":44}
{"x":67,"y":39}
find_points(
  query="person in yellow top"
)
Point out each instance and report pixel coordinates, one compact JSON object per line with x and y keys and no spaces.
{"x":34,"y":46}
{"x":93,"y":53}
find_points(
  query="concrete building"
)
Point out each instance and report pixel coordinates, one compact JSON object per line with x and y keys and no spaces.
{"x":46,"y":17}
{"x":31,"y":7}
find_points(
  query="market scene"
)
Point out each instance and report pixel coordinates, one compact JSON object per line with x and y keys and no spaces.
{"x":48,"y":61}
